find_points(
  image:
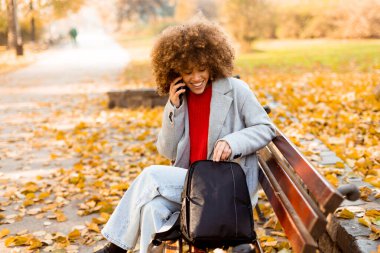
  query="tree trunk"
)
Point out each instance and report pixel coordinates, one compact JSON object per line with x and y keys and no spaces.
{"x":14,"y":35}
{"x":11,"y":31}
{"x":32,"y":22}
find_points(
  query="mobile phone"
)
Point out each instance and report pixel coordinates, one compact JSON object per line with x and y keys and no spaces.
{"x":179,"y":81}
{"x":181,"y":88}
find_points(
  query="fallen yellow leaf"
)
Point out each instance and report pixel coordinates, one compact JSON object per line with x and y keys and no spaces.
{"x":28,"y":202}
{"x":373,"y":213}
{"x":365,"y":192}
{"x":93,"y":227}
{"x":364,"y":221}
{"x":4,"y":232}
{"x":60,"y":216}
{"x":43,"y":195}
{"x":344,"y":214}
{"x":60,"y":135}
{"x":373,"y":180}
{"x":73,"y":235}
{"x":35,"y":244}
{"x":16,"y":241}
{"x":332,"y":179}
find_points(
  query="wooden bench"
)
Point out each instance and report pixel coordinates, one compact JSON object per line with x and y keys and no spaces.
{"x":299,"y":195}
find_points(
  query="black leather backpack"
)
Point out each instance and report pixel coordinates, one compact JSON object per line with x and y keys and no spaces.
{"x":216,"y":206}
{"x":216,"y":209}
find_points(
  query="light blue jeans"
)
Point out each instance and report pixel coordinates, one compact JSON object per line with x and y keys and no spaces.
{"x":145,"y":207}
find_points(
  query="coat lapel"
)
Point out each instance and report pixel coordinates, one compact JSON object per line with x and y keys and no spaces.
{"x":220,"y":105}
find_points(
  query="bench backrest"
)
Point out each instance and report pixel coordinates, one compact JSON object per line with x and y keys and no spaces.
{"x":299,"y":195}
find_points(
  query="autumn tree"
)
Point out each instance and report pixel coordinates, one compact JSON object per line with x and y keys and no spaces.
{"x":249,"y":20}
{"x":186,"y":9}
{"x":60,"y":8}
{"x":209,"y":8}
{"x":32,"y":16}
{"x":3,"y":21}
{"x":143,"y":10}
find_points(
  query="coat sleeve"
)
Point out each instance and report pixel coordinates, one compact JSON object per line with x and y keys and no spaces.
{"x":173,"y":128}
{"x":259,"y":130}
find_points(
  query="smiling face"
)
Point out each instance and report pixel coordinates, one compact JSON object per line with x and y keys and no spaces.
{"x":196,"y":79}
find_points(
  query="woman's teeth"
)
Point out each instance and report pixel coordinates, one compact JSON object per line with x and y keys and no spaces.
{"x":198,"y":84}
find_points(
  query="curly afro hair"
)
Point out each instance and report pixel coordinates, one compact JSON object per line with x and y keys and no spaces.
{"x":194,"y":44}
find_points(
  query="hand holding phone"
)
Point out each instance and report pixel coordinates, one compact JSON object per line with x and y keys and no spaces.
{"x":177,"y":88}
{"x":181,"y":88}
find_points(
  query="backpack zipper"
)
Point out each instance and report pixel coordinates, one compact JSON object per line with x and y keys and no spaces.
{"x":233,"y":179}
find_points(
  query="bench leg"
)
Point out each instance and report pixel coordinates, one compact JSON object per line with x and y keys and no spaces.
{"x":258,"y":248}
{"x":262,"y":218}
{"x":195,"y":250}
{"x":173,"y":247}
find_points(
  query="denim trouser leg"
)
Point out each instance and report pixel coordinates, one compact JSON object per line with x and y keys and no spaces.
{"x":123,"y":227}
{"x":153,"y":216}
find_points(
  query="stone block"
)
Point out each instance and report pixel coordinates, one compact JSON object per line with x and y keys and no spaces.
{"x":353,"y":237}
{"x":330,"y":160}
{"x":135,"y":98}
{"x":367,"y":245}
{"x":358,"y":202}
{"x":326,"y":245}
{"x":332,"y":227}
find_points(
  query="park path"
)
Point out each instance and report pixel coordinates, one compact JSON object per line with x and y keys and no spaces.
{"x":54,"y":82}
{"x":47,"y":94}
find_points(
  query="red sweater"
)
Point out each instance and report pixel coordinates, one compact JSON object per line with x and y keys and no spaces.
{"x":199,"y":115}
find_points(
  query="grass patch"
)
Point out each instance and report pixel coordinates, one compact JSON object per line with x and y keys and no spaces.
{"x":138,"y":74}
{"x":140,"y":35}
{"x":276,"y":57}
{"x":135,"y":41}
{"x":301,"y":55}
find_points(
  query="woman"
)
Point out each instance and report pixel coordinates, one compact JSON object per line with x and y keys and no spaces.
{"x":216,"y":117}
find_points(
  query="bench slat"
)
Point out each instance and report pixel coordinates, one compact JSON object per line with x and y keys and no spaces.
{"x":293,"y":176}
{"x":309,"y":214}
{"x":325,"y":194}
{"x":296,"y":232}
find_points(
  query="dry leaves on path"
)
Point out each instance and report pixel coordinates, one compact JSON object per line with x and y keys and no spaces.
{"x":107,"y":150}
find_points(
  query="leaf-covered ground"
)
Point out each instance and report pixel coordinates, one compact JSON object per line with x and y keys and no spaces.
{"x":319,"y":89}
{"x":342,"y":111}
{"x":108,"y":148}
{"x":66,"y":159}
{"x":10,"y":62}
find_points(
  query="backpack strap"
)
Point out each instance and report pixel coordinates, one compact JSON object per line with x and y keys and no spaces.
{"x":170,"y":231}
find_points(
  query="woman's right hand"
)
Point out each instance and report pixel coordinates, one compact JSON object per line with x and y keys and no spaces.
{"x":175,"y":92}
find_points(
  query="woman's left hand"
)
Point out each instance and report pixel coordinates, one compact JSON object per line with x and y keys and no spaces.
{"x":222,"y":151}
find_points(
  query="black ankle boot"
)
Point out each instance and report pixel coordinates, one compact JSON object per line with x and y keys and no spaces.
{"x":111,"y":248}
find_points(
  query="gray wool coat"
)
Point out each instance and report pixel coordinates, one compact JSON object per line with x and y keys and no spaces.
{"x":236,"y":117}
